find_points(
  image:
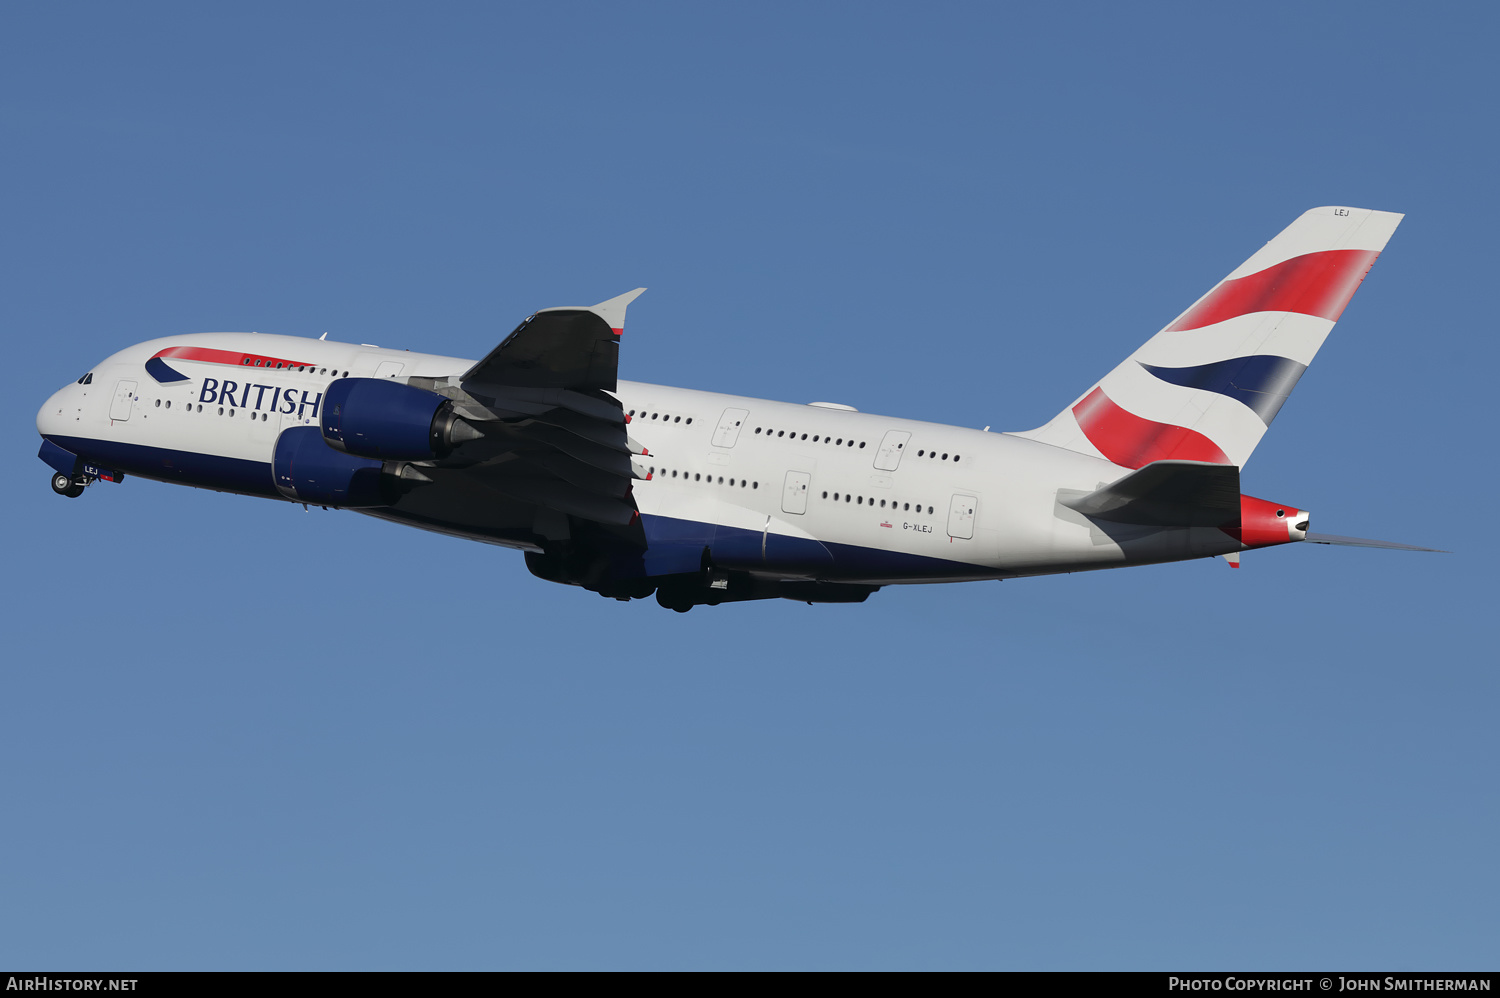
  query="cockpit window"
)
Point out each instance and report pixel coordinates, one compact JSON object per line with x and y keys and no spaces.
{"x":87,"y":379}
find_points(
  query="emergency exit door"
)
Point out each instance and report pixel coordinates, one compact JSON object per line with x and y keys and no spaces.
{"x":888,"y":457}
{"x":961,"y":517}
{"x":124,"y":400}
{"x":794,"y":493}
{"x":728,"y":430}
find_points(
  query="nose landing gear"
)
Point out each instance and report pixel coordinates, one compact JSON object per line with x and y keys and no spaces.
{"x":65,"y":486}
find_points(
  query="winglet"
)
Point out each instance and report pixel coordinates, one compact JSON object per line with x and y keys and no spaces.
{"x":613,"y":311}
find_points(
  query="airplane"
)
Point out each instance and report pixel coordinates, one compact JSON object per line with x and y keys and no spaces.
{"x":630,"y":489}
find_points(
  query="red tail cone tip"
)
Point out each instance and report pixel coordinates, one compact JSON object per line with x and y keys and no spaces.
{"x":1263,"y":523}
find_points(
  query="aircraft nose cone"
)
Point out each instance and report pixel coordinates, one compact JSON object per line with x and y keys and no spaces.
{"x":52,"y":416}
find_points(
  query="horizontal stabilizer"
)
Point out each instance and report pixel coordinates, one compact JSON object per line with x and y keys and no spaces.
{"x":1360,"y":542}
{"x":1168,"y":494}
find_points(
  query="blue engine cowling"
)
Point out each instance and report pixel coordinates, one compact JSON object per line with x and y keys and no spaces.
{"x":308,"y":470}
{"x":372,"y":417}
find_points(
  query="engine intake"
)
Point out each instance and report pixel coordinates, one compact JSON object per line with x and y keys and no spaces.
{"x":307,"y":470}
{"x":377,"y":418}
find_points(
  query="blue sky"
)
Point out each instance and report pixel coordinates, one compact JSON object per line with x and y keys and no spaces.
{"x":238,"y":735}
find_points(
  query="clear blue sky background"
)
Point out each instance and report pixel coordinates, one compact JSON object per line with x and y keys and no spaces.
{"x":238,"y":735}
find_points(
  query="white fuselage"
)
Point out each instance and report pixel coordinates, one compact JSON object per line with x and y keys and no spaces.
{"x":918,"y":501}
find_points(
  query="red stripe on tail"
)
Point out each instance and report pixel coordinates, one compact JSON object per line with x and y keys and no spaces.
{"x":1133,"y":442}
{"x":1314,"y":284}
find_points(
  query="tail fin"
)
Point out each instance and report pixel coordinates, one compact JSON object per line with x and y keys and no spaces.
{"x":1207,"y":386}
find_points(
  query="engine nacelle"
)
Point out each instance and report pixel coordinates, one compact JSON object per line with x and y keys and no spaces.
{"x":307,"y":470}
{"x":377,"y":418}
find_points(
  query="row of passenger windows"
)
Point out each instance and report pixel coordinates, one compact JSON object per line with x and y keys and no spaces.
{"x":191,"y":407}
{"x":698,"y":476}
{"x":893,"y":504}
{"x":664,"y":417}
{"x":840,"y":442}
{"x":293,"y":367}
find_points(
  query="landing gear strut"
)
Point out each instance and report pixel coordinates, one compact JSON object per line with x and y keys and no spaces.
{"x":65,"y":486}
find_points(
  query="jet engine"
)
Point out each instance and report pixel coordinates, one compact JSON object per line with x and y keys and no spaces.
{"x":377,"y":418}
{"x":307,"y":470}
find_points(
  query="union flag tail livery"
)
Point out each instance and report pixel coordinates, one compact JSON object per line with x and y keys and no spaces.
{"x":1207,"y":386}
{"x":630,"y":489}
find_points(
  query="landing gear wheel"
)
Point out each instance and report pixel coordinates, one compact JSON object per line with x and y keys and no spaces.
{"x":65,"y":486}
{"x":673,"y":600}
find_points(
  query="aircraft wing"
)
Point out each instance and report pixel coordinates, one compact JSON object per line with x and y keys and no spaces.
{"x":577,"y":349}
{"x":546,"y":430}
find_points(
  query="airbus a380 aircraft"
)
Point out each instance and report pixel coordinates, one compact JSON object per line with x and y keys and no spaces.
{"x":631,"y":489}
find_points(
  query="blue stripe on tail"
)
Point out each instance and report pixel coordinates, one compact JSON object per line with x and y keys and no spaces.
{"x":1260,"y":381}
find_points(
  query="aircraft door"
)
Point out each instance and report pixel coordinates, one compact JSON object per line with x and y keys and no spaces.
{"x":961,"y":517}
{"x":794,"y":493}
{"x":891,"y":448}
{"x":388,"y":369}
{"x":123,"y":402}
{"x":728,"y":430}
